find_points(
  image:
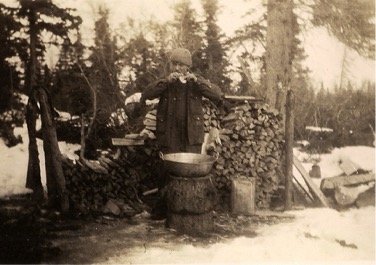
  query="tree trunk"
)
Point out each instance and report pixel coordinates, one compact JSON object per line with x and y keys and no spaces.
{"x":279,"y":41}
{"x":57,"y":193}
{"x":31,"y":73}
{"x":33,"y":179}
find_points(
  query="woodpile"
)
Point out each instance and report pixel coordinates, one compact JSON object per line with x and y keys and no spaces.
{"x":250,"y":147}
{"x":114,"y":180}
{"x":150,"y":123}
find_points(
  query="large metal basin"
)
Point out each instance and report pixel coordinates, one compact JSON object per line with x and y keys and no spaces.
{"x":188,"y":164}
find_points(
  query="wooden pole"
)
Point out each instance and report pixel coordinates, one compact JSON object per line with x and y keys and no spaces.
{"x":289,"y":138}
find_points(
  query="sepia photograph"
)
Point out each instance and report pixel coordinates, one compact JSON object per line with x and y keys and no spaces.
{"x":187,"y":132}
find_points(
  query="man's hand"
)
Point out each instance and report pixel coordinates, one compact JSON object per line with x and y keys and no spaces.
{"x":191,"y":76}
{"x":173,"y":76}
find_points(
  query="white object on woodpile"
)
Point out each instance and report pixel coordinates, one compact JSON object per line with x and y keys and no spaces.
{"x":136,"y":97}
{"x":112,"y":208}
{"x":127,"y":142}
{"x":210,"y":140}
{"x":147,"y":134}
{"x":318,"y":129}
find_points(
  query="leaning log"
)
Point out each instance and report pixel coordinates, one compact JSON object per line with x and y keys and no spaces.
{"x":57,"y":192}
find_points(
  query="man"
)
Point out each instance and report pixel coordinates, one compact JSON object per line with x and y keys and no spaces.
{"x":180,"y":117}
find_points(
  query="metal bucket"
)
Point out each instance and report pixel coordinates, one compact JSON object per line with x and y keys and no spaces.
{"x":188,"y":164}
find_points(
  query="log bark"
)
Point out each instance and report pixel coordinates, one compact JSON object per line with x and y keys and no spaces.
{"x":190,"y":195}
{"x":33,"y":178}
{"x":190,"y":203}
{"x":329,"y":184}
{"x":57,"y":193}
{"x":194,"y":225}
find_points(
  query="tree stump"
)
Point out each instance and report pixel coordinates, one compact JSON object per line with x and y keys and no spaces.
{"x":190,"y":204}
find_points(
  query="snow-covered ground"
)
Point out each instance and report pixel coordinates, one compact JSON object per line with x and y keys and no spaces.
{"x":317,"y":236}
{"x":13,"y":166}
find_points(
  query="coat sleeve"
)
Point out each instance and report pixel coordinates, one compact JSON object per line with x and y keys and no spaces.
{"x":154,"y":90}
{"x":210,"y":91}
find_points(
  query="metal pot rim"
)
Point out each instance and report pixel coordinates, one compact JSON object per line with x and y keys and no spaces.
{"x":189,"y":158}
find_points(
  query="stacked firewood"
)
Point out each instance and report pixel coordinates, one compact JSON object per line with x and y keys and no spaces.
{"x":120,"y":178}
{"x":251,"y":147}
{"x":150,"y":123}
{"x":211,"y":116}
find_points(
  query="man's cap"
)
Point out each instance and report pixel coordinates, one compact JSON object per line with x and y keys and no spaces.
{"x":181,"y":55}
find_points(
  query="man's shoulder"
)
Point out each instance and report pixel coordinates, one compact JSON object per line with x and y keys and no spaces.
{"x":203,"y":81}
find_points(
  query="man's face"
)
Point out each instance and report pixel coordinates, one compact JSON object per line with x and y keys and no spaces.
{"x":179,"y":67}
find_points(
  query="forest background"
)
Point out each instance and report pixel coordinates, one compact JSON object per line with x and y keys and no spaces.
{"x":91,"y":79}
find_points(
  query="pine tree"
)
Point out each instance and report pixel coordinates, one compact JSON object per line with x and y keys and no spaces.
{"x":32,"y":10}
{"x":104,"y":71}
{"x":71,"y":91}
{"x":10,"y":103}
{"x":9,"y":79}
{"x":189,"y":33}
{"x":351,"y":21}
{"x":215,"y":53}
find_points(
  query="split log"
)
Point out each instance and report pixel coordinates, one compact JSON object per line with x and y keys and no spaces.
{"x":329,"y":184}
{"x":348,"y":195}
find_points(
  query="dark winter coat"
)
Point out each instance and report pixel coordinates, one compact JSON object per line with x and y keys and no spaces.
{"x":180,"y":117}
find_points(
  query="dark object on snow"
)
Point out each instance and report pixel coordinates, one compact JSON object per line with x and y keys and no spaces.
{"x":315,"y":172}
